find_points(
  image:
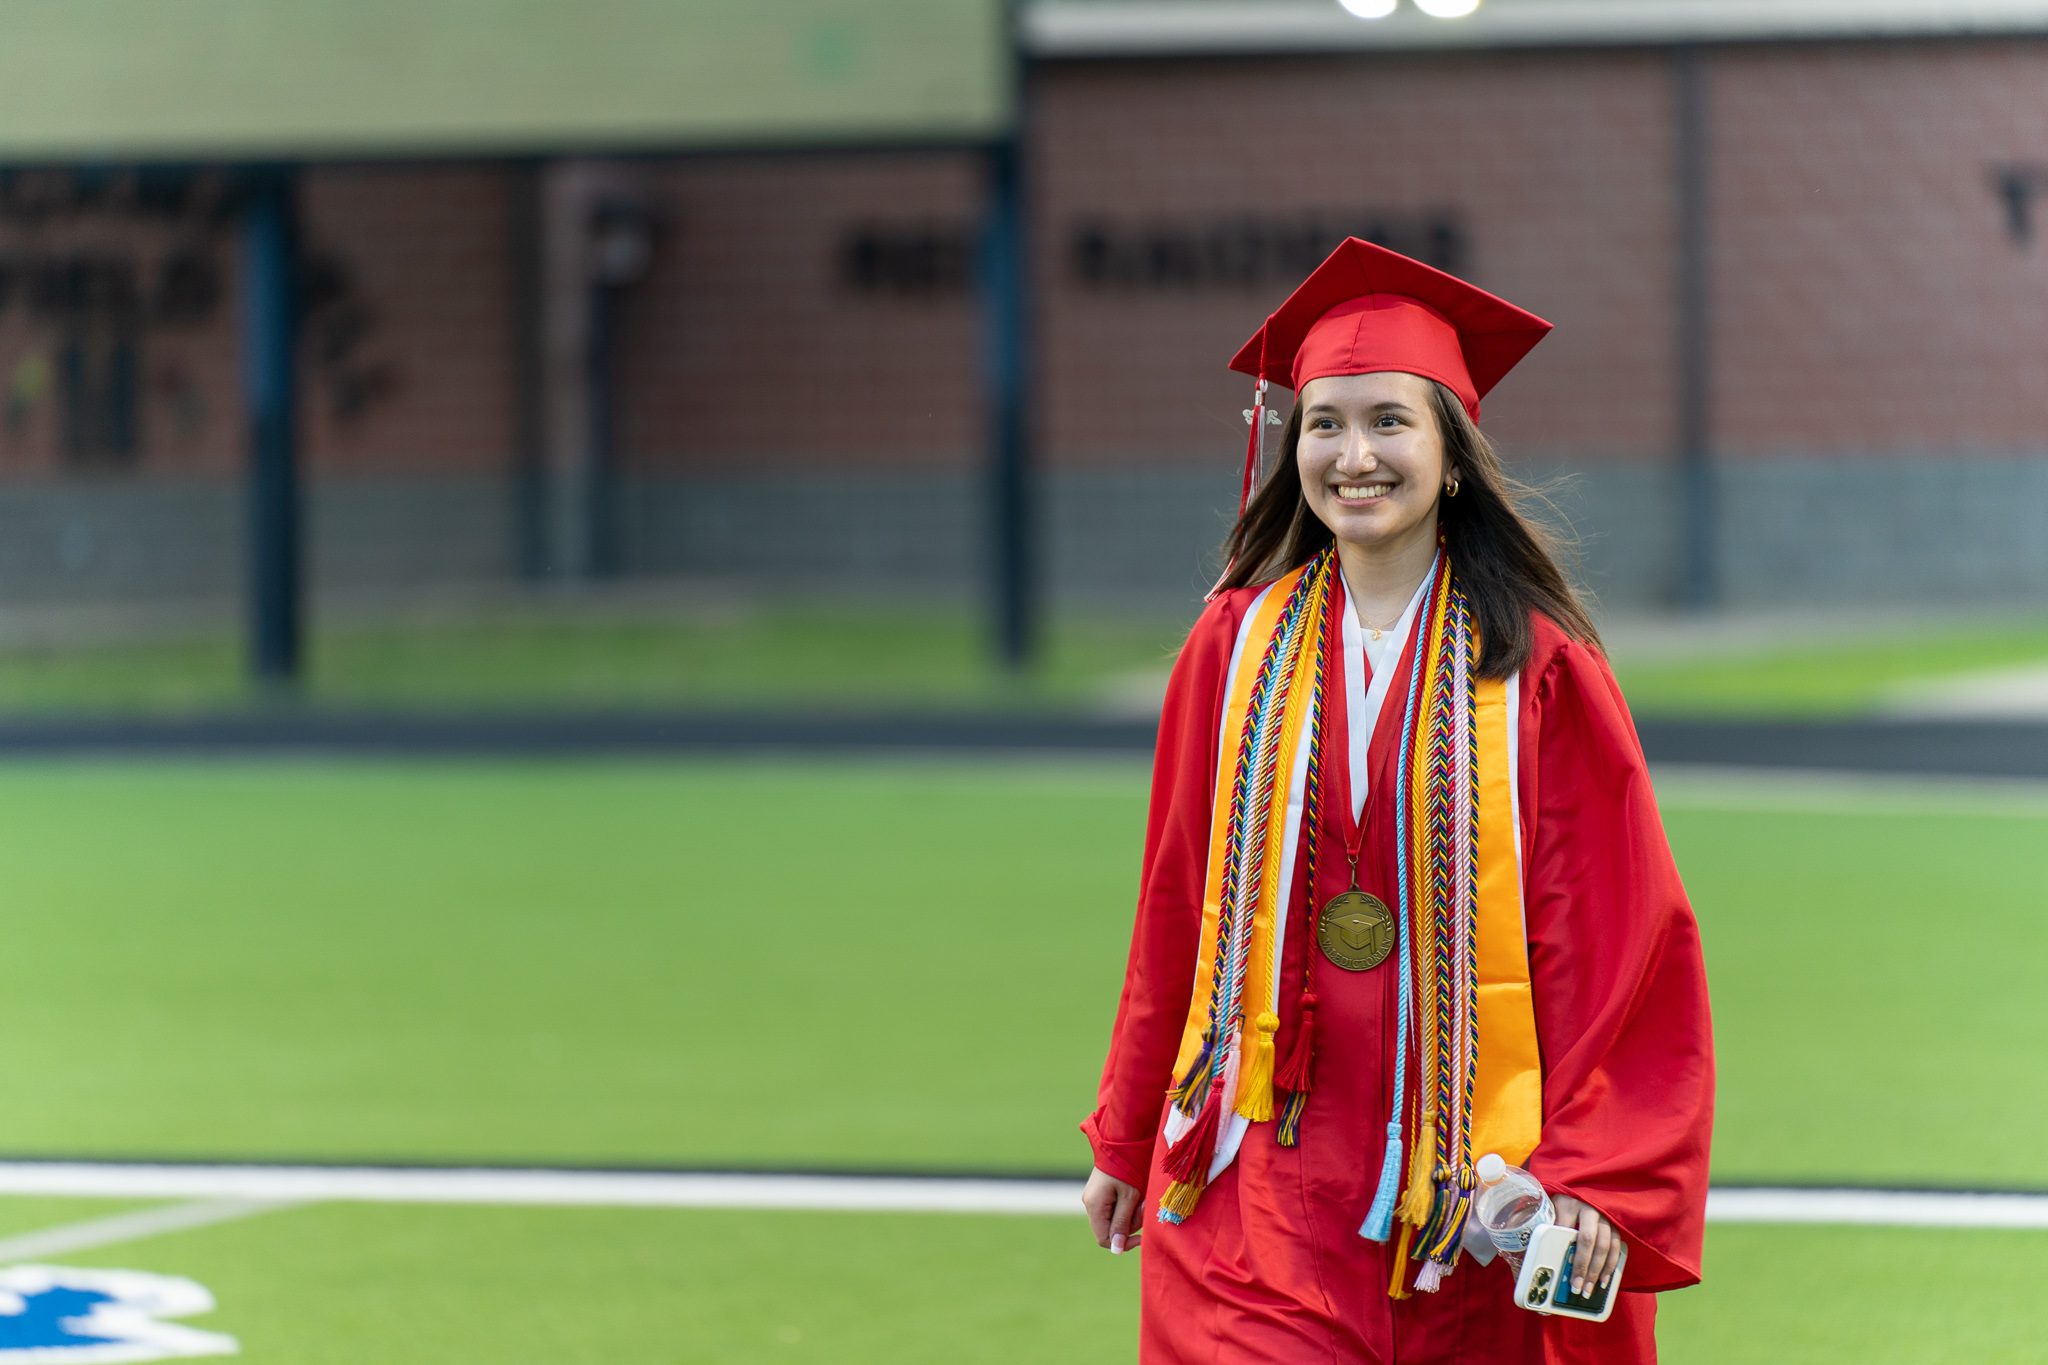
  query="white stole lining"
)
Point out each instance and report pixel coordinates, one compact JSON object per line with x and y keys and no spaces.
{"x":1177,"y":1122}
{"x":1515,"y":790}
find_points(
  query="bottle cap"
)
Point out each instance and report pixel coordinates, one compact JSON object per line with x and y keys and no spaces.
{"x":1491,"y":1168}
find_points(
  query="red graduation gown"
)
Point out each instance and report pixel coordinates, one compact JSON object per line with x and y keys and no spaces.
{"x":1270,"y":1267}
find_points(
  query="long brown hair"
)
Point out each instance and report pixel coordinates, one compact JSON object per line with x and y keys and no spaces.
{"x":1506,"y":560}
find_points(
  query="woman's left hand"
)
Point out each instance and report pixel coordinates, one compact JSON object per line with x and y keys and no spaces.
{"x":1599,"y":1247}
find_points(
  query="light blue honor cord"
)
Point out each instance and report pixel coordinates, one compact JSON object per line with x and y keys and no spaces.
{"x":1379,"y":1219}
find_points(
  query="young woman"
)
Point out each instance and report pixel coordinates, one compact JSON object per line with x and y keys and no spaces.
{"x":1406,"y":899}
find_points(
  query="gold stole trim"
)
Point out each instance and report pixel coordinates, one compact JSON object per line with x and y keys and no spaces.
{"x":1507,"y":1094}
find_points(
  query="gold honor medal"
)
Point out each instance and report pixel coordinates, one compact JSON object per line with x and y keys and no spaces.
{"x":1356,"y":931}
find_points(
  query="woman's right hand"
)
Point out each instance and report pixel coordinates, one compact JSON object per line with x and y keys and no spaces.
{"x":1115,"y":1210}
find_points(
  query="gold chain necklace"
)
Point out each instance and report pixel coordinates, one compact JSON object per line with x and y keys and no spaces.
{"x":1378,"y":631}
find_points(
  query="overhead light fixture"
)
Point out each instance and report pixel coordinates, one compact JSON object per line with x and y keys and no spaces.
{"x":1445,"y":9}
{"x":1369,"y":9}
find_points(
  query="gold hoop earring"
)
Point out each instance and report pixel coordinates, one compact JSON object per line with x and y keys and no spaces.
{"x":1451,"y":488}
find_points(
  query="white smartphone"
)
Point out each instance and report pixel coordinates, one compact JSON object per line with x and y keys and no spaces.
{"x":1545,"y":1284}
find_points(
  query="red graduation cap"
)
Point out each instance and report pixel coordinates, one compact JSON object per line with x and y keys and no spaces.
{"x":1367,"y":309}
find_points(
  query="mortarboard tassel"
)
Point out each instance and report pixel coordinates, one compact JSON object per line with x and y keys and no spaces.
{"x":1253,"y":446}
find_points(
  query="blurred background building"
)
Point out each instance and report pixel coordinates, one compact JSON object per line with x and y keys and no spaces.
{"x":1791,"y":250}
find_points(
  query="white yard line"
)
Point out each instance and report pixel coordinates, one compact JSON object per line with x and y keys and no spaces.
{"x":252,"y":1189}
{"x":1890,"y":1208}
{"x":1701,"y":786}
{"x":129,"y":1227}
{"x":618,"y":1189}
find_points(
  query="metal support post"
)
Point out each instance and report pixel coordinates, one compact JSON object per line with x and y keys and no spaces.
{"x":599,"y":494}
{"x":525,"y":243}
{"x":269,"y":344}
{"x":1699,"y":573}
{"x":1006,"y":349}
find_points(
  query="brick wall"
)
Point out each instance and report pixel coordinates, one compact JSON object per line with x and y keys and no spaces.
{"x":1874,"y":317}
{"x":748,"y":350}
{"x":1862,"y":269}
{"x":423,"y":376}
{"x":1867,"y":296}
{"x":1555,"y":164}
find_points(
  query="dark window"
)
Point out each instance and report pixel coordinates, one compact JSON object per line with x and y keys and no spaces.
{"x":100,"y":309}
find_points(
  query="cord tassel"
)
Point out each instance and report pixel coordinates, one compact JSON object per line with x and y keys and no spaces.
{"x":1298,"y":1075}
{"x":1421,"y":1196}
{"x":1397,"y":1287}
{"x":1379,"y":1219}
{"x":1255,"y":1082}
{"x":1289,"y":1133}
{"x":1187,"y":1095}
{"x":1187,"y":1161}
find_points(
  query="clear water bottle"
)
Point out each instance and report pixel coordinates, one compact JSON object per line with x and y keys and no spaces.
{"x":1510,"y":1205}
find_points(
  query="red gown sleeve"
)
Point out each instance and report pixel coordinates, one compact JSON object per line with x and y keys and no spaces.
{"x":1620,"y":986}
{"x":1161,"y":974}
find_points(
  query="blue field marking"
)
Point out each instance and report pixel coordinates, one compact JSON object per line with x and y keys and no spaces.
{"x":51,"y":1317}
{"x":65,"y":1316}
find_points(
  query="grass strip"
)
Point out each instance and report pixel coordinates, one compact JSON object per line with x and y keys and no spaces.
{"x":1840,"y":678}
{"x":851,"y":659}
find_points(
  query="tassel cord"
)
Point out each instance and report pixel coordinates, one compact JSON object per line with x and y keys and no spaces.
{"x":1305,"y":633}
{"x":1297,"y":1075}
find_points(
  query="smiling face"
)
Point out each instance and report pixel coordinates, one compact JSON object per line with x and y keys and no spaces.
{"x":1372,"y":458}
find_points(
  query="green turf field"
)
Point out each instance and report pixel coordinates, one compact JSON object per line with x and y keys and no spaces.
{"x":850,"y":657}
{"x":862,"y":965}
{"x":794,"y":964}
{"x":335,"y":1284}
{"x":838,"y":964}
